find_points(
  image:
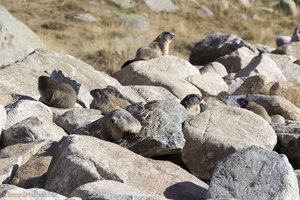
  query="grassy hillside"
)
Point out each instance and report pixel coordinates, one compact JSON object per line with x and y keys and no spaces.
{"x":107,"y":43}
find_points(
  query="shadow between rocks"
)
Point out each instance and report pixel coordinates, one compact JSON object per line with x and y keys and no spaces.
{"x":185,"y":190}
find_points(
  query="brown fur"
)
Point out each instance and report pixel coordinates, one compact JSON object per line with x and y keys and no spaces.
{"x":254,"y":107}
{"x":158,"y":47}
{"x":108,"y":99}
{"x":56,"y":94}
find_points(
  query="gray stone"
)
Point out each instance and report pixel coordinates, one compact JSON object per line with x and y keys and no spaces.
{"x":288,"y":135}
{"x":289,"y":69}
{"x":32,"y":174}
{"x":254,"y":173}
{"x":217,"y":45}
{"x":85,"y":17}
{"x":8,"y":168}
{"x":32,"y":129}
{"x":83,"y":159}
{"x":288,"y":7}
{"x":166,"y":71}
{"x":145,"y":93}
{"x":126,"y":3}
{"x":161,"y":132}
{"x":3,"y":118}
{"x":262,"y":65}
{"x":125,"y":197}
{"x":23,"y":109}
{"x":161,"y":5}
{"x":282,"y":40}
{"x":11,"y":192}
{"x":135,"y":21}
{"x":245,"y":3}
{"x":22,"y":77}
{"x":210,"y":138}
{"x":262,"y":48}
{"x":214,"y":67}
{"x":209,"y":83}
{"x":277,"y":119}
{"x":104,"y":187}
{"x":296,"y":35}
{"x":77,"y":118}
{"x":205,"y":11}
{"x":16,"y":39}
{"x":237,"y":60}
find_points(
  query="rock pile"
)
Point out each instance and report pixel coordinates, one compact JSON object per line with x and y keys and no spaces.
{"x":152,"y":148}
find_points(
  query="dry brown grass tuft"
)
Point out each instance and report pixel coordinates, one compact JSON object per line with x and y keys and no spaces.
{"x":106,"y":44}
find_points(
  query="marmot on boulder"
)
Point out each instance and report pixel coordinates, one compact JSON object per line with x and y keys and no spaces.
{"x":108,"y":99}
{"x":254,"y":107}
{"x":159,"y":47}
{"x":56,"y":94}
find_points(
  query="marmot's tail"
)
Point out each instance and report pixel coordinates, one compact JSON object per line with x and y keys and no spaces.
{"x":129,"y":62}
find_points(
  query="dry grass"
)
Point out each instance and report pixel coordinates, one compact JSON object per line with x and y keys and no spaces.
{"x":103,"y":45}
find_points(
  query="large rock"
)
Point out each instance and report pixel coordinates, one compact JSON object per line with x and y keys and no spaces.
{"x":103,"y":187}
{"x":16,"y":39}
{"x":289,"y":69}
{"x":210,"y":138}
{"x":8,"y":168}
{"x":11,"y":192}
{"x":83,"y":159}
{"x":32,"y":129}
{"x":288,"y":134}
{"x":161,"y":128}
{"x":254,"y":173}
{"x":262,"y":65}
{"x":125,"y":3}
{"x":288,"y":90}
{"x":161,"y":5}
{"x":3,"y":118}
{"x":32,"y":174}
{"x":23,"y":109}
{"x":277,"y":105}
{"x":214,"y":67}
{"x":14,"y":156}
{"x":22,"y":77}
{"x":217,"y":45}
{"x":77,"y":118}
{"x":237,"y":60}
{"x":144,"y":93}
{"x":125,"y":197}
{"x":209,"y":83}
{"x":169,"y":72}
{"x":252,"y":85}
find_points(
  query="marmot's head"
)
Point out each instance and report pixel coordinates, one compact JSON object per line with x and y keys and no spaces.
{"x":242,"y":102}
{"x":165,"y":37}
{"x":43,"y":83}
{"x":122,"y":122}
{"x":192,"y":103}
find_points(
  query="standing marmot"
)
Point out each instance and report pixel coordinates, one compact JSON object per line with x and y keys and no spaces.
{"x":159,"y":47}
{"x":56,"y":94}
{"x":254,"y":107}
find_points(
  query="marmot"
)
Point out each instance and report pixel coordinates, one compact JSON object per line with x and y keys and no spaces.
{"x":112,"y":127}
{"x":120,"y":122}
{"x":159,"y":47}
{"x":56,"y":94}
{"x":108,"y":99}
{"x":192,"y":103}
{"x":254,"y":107}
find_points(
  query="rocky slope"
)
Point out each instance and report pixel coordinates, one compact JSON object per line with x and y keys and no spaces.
{"x":224,"y":151}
